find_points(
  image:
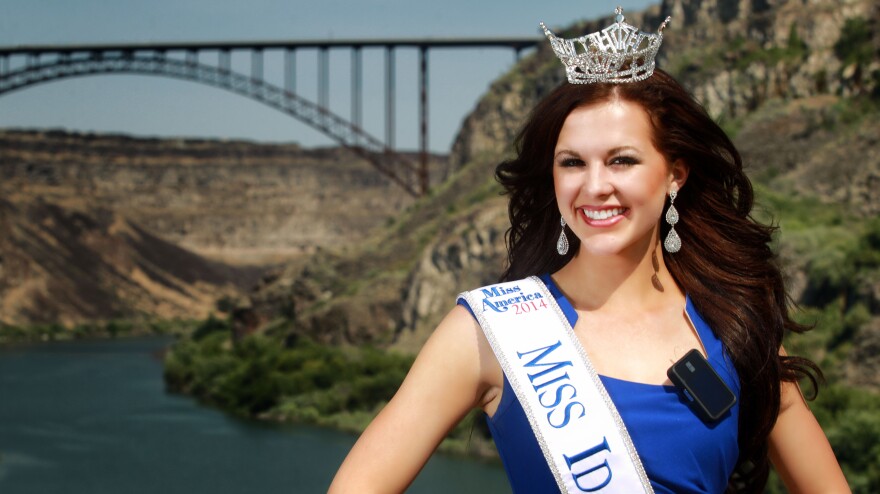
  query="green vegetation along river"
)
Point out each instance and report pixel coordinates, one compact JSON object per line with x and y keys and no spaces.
{"x":94,"y":417}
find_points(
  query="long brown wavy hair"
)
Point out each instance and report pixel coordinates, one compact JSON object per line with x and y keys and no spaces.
{"x":726,"y":264}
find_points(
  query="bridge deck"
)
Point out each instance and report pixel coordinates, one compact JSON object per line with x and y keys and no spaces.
{"x":509,"y":43}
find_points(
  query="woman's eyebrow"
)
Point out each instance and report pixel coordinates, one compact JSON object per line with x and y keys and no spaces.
{"x":563,"y":152}
{"x":610,"y":152}
{"x":620,"y":149}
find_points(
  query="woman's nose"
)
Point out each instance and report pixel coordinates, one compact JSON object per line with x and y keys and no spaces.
{"x":597,"y":181}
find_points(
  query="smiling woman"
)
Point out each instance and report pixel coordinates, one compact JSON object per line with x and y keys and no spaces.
{"x":576,"y":156}
{"x":572,"y":370}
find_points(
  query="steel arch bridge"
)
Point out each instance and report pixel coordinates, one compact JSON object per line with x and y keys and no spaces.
{"x":49,"y":63}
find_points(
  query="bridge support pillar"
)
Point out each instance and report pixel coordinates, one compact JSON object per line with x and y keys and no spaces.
{"x":290,"y":70}
{"x":257,"y":65}
{"x":224,"y":61}
{"x":324,"y":78}
{"x":389,"y":97}
{"x":423,"y":120}
{"x":356,"y":90}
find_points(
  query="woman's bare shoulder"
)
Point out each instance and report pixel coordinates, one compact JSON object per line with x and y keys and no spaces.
{"x":458,"y":340}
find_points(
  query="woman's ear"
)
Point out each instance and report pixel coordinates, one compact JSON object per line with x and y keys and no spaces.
{"x":678,"y":173}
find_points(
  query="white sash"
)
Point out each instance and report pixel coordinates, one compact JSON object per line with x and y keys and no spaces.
{"x":577,"y":426}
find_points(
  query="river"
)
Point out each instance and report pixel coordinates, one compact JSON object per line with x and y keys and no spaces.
{"x":93,"y":417}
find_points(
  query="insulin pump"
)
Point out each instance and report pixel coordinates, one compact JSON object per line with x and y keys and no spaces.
{"x":706,"y":393}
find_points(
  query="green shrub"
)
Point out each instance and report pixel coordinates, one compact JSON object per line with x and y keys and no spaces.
{"x":258,"y":375}
{"x":211,"y":325}
{"x":854,"y":45}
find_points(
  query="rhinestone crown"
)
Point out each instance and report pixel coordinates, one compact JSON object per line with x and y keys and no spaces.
{"x":619,"y":53}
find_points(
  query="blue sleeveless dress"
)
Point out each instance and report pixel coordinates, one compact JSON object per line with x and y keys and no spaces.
{"x":680,"y":452}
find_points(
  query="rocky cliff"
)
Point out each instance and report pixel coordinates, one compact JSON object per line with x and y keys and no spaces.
{"x":97,"y":227}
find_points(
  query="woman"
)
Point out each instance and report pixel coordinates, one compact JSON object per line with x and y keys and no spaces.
{"x":605,"y":172}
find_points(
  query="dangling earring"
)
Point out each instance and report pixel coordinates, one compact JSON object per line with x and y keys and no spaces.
{"x":673,"y":241}
{"x":562,"y":243}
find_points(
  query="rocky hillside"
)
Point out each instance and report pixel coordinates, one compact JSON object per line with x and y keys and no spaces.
{"x":67,"y":266}
{"x":239,"y":201}
{"x":98,"y":227}
{"x":733,"y":55}
{"x":796,"y":83}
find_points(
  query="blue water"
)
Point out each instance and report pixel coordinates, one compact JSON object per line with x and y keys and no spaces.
{"x":94,"y":417}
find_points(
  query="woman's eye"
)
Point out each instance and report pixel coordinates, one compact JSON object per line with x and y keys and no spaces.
{"x":624,"y":161}
{"x":570,"y":162}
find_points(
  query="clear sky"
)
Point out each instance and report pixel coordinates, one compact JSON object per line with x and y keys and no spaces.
{"x":158,"y":106}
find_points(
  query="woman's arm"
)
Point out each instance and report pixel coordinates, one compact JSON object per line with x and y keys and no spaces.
{"x":799,"y":449}
{"x":445,"y":382}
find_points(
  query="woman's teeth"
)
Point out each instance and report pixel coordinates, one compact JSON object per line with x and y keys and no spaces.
{"x":603,"y":214}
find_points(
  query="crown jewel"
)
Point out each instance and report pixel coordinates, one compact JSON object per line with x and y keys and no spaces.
{"x":618,"y":53}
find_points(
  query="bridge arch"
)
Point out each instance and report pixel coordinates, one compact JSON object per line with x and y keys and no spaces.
{"x":391,"y":164}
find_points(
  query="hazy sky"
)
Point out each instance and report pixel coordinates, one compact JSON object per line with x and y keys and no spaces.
{"x":159,"y":106}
